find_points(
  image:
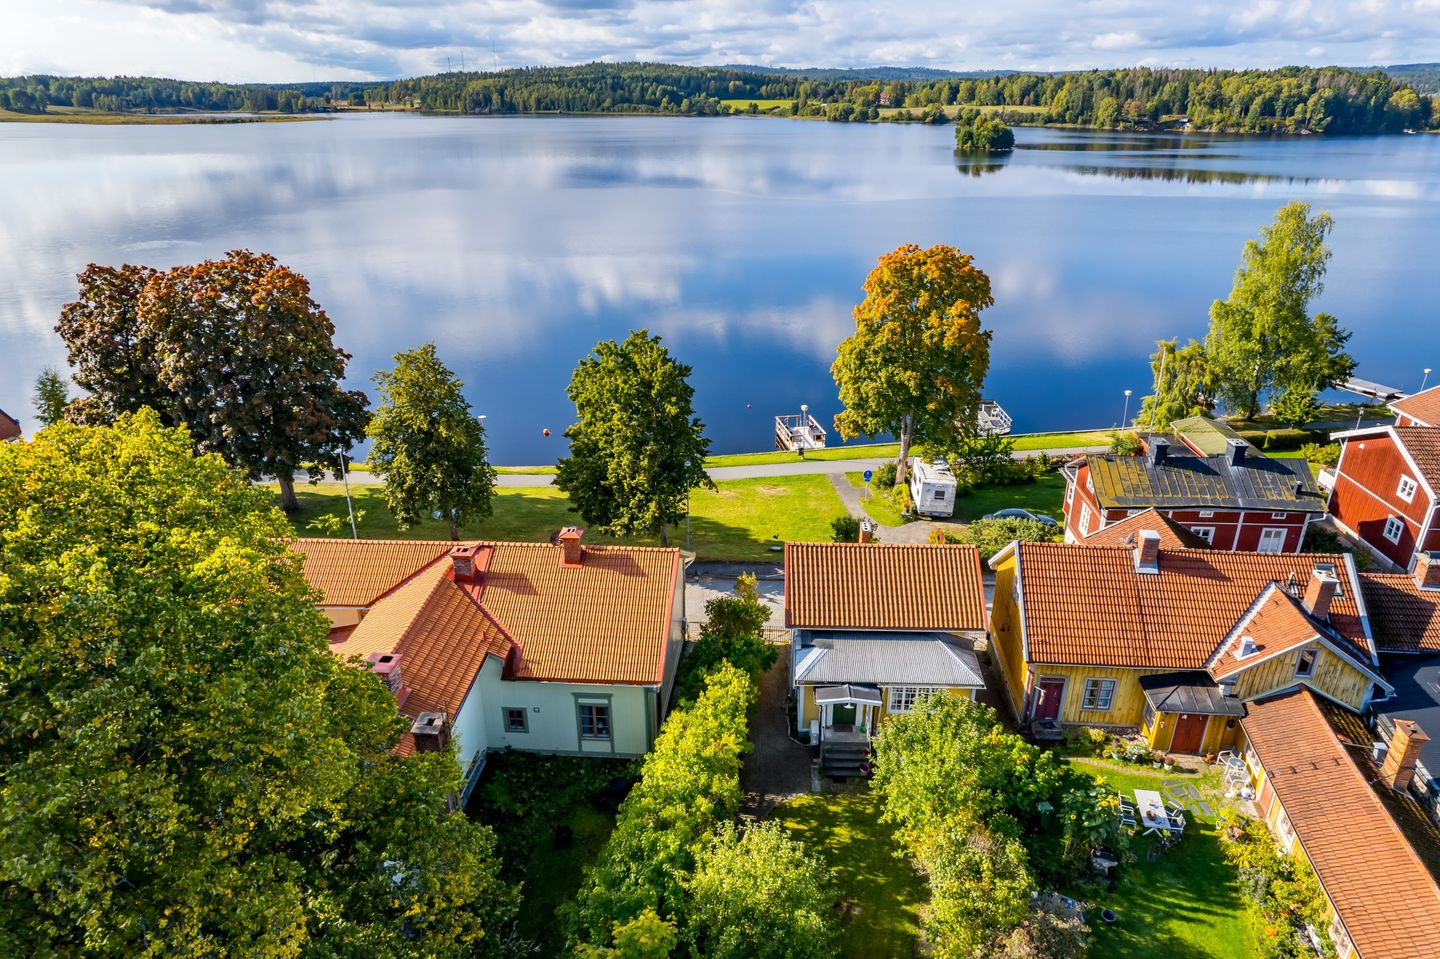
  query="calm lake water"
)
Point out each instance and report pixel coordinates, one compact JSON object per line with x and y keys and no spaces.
{"x":517,"y":243}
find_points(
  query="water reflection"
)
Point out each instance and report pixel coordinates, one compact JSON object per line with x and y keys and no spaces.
{"x":516,"y":244}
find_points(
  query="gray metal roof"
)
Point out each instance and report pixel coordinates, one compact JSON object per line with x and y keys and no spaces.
{"x":1190,"y":691}
{"x":1417,"y":697}
{"x":1257,"y":482}
{"x":885,"y":658}
{"x":847,"y":694}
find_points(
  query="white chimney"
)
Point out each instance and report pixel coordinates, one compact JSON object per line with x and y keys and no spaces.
{"x":1147,"y":552}
{"x":1247,"y":647}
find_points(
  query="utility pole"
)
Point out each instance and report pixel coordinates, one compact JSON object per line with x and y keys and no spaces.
{"x":345,"y":478}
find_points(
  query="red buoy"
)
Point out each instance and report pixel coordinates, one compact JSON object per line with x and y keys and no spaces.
{"x":546,"y":431}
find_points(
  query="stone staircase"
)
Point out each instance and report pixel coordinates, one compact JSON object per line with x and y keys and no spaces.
{"x":841,"y":760}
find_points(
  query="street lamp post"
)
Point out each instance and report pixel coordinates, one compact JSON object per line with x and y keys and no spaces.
{"x":350,"y":506}
{"x":1126,"y":414}
{"x":804,"y":429}
{"x":1426,"y":379}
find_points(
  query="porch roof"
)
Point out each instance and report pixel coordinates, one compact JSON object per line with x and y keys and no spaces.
{"x":1189,"y":691}
{"x":868,"y":695}
{"x":883,"y":659}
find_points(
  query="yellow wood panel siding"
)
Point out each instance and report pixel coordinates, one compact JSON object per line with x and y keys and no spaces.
{"x":1222,"y":733}
{"x":1162,"y":732}
{"x":1333,"y":676}
{"x":809,"y":712}
{"x":1005,"y":633}
{"x":1127,"y":707}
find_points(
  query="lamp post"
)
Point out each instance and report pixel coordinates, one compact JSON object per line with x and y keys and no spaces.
{"x":804,"y":428}
{"x":1126,"y":414}
{"x":350,"y":506}
{"x":1426,"y":379}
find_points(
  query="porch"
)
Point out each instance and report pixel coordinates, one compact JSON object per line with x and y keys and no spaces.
{"x":847,"y":720}
{"x":1186,"y":712}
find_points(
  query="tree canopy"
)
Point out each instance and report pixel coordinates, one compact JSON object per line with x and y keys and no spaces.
{"x":1263,"y":337}
{"x":1183,"y":385}
{"x":234,"y":349}
{"x":51,"y":396}
{"x":636,"y":448}
{"x":185,"y":768}
{"x":916,"y":363}
{"x":426,"y":445}
{"x":977,"y":132}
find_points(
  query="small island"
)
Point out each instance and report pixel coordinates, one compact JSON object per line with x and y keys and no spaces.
{"x":977,"y":132}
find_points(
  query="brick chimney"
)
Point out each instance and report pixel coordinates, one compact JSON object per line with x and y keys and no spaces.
{"x":867,"y":532}
{"x":1405,"y":745}
{"x":431,"y":732}
{"x":1159,"y":450}
{"x":1235,"y":452}
{"x":1147,"y":552}
{"x":1319,"y":592}
{"x":1427,"y":570}
{"x":462,"y":560}
{"x":387,"y":667}
{"x":572,"y":554}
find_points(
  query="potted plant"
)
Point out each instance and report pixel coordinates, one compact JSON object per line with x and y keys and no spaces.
{"x":1156,"y":760}
{"x":1169,"y":764}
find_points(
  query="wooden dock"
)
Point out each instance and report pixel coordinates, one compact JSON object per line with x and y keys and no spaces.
{"x":798,"y":433}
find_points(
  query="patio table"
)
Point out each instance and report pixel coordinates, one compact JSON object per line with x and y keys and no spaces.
{"x":1152,"y":813}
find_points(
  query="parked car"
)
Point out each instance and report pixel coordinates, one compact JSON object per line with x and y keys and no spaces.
{"x":1016,"y":512}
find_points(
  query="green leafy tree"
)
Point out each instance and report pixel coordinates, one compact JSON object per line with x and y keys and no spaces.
{"x":916,"y":363}
{"x":977,"y":132}
{"x":645,"y":937}
{"x":734,"y":633}
{"x":1184,"y":385}
{"x":233,"y":349}
{"x":637,"y":449}
{"x":1263,"y":337}
{"x":52,"y":395}
{"x":185,"y":768}
{"x":991,"y":536}
{"x":426,"y":445}
{"x":980,"y":886}
{"x":984,"y":457}
{"x":1295,"y":407}
{"x":757,"y":894}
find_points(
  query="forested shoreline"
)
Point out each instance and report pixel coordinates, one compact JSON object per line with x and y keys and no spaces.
{"x":1287,"y":100}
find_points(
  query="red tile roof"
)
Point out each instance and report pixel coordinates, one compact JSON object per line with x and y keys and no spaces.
{"x":1277,"y":623}
{"x":1423,"y":407}
{"x":1423,"y":445}
{"x":1087,"y":605}
{"x":1380,"y":888}
{"x":881,"y":586}
{"x":1404,"y":617}
{"x":9,"y":426}
{"x":1126,"y":531}
{"x":352,"y":572}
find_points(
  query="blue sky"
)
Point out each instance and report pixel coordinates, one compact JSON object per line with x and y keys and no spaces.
{"x":280,"y":40}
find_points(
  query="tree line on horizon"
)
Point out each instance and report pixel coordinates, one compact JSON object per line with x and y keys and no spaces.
{"x":1284,"y":100}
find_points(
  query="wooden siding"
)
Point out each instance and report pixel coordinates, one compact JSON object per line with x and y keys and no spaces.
{"x":1333,"y":676}
{"x":1127,"y":708}
{"x":1365,"y":494}
{"x":810,"y":711}
{"x":1005,"y":634}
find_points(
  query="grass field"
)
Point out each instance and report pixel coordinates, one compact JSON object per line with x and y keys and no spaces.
{"x":739,"y":522}
{"x":741,"y":105}
{"x":1186,"y":906}
{"x":553,"y":876}
{"x":1024,"y":442}
{"x":1045,"y":495}
{"x":882,"y":893}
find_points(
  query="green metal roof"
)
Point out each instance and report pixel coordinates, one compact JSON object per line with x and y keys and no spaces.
{"x":1206,"y":482}
{"x":1210,"y":437}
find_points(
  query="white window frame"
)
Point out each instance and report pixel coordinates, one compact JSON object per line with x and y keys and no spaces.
{"x":1069,"y":493}
{"x":1311,"y":655}
{"x":1284,"y":534}
{"x":1085,"y":520}
{"x":1406,"y":489}
{"x":1207,"y":533}
{"x":1286,"y":831}
{"x":1279,"y":515}
{"x":1206,"y":513}
{"x":902,"y":699}
{"x":1098,"y":695}
{"x":1399,"y":526}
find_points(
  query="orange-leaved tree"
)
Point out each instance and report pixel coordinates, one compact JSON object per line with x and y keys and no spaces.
{"x":916,"y":363}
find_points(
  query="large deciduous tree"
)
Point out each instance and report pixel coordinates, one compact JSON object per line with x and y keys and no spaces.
{"x":426,"y":444}
{"x":916,"y":363}
{"x":234,"y":349}
{"x":1263,"y":337}
{"x":636,"y":448}
{"x":185,"y":768}
{"x":1183,"y":385}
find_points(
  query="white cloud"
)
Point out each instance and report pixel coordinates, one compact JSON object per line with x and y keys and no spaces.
{"x":298,"y":40}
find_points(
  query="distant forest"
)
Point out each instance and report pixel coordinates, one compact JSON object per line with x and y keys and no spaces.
{"x":1287,"y":100}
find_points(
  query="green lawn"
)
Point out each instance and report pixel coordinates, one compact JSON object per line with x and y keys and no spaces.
{"x":882,"y":892}
{"x":880,"y":507}
{"x":1186,"y":906}
{"x":553,"y":876}
{"x":742,"y":104}
{"x":862,"y":451}
{"x":739,"y":522}
{"x":1046,"y":495}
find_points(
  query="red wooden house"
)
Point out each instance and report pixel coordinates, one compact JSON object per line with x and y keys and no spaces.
{"x":1239,"y":500}
{"x":1386,"y":484}
{"x":1419,"y":409}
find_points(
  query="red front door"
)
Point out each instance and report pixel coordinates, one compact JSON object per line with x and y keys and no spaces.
{"x":1047,"y":702}
{"x":1189,"y":733}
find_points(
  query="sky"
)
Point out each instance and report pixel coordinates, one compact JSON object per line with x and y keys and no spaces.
{"x":294,"y":40}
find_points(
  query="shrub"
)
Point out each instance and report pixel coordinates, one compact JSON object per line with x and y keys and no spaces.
{"x":1295,"y":407}
{"x":884,"y":477}
{"x":1289,"y":439}
{"x":733,"y":634}
{"x":1321,"y":539}
{"x":1087,"y":741}
{"x":845,"y":529}
{"x":1327,"y":455}
{"x":1125,"y":444}
{"x":903,"y":501}
{"x":993,"y":535}
{"x":526,"y":794}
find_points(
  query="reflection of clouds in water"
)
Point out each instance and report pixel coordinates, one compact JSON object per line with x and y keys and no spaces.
{"x":812,"y":329}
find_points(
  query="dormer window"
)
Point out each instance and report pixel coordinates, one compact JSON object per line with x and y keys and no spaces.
{"x":1406,"y":489}
{"x":1305,"y":663}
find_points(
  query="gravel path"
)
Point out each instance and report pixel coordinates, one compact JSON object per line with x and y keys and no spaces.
{"x":778,"y":768}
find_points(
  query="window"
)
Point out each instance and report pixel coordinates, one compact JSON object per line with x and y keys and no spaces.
{"x":904,"y":698}
{"x":1099,"y":693}
{"x":939,"y":496}
{"x":1393,"y":529}
{"x":1406,"y":489}
{"x":1206,"y":513}
{"x":1272,"y":540}
{"x":1149,"y":716}
{"x":1085,"y":520}
{"x":1069,"y":493}
{"x":1207,"y":533}
{"x":516,"y":720}
{"x":1305,"y":663}
{"x":594,"y":721}
{"x":1279,"y":515}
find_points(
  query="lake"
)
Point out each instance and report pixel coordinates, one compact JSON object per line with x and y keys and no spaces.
{"x":517,"y":243}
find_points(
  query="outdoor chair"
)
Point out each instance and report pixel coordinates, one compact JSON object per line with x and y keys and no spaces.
{"x":1127,"y":816}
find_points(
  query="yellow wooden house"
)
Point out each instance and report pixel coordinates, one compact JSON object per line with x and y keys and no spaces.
{"x":1147,"y":635}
